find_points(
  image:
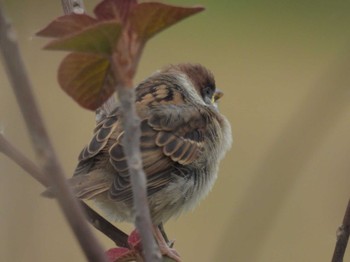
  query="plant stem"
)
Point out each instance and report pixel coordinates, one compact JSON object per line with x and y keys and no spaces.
{"x":20,"y":159}
{"x":342,"y":237}
{"x":131,"y":125}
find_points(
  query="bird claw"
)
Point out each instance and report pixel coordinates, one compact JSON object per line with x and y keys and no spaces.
{"x":170,"y":252}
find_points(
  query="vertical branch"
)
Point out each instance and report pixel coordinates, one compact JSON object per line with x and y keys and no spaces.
{"x":41,"y":142}
{"x":131,"y":124}
{"x":342,"y":237}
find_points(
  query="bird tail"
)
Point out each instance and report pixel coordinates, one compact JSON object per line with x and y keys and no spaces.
{"x":84,"y":186}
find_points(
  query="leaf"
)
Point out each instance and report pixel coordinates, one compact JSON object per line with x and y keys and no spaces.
{"x":134,"y":239}
{"x":114,"y":9}
{"x":87,"y":79}
{"x":85,"y":74}
{"x":148,"y":19}
{"x":66,"y":25}
{"x":100,"y":38}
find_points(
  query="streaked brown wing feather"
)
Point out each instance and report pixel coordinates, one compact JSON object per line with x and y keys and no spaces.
{"x":179,"y":149}
{"x":171,"y":134}
{"x":93,"y":157}
{"x":153,"y":159}
{"x":90,"y":185}
{"x":102,"y":133}
{"x":182,"y":136}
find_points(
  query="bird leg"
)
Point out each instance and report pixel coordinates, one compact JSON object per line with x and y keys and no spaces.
{"x":170,"y":242}
{"x":163,"y":245}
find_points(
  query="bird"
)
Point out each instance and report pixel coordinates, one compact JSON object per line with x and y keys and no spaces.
{"x":183,"y":139}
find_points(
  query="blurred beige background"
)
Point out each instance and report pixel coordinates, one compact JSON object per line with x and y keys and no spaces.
{"x":285,"y":69}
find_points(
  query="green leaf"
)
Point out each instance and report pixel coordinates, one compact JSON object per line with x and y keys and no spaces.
{"x":100,"y":38}
{"x":148,"y":19}
{"x":66,"y":25}
{"x":87,"y":79}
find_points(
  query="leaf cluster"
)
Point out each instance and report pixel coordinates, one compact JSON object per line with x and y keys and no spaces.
{"x":119,"y":30}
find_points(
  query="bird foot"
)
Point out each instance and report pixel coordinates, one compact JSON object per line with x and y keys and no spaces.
{"x":165,"y":248}
{"x":170,"y":252}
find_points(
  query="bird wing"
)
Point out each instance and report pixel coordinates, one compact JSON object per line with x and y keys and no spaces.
{"x":172,"y":135}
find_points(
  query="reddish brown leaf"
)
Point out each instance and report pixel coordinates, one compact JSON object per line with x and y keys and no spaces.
{"x":85,"y":74}
{"x":100,"y":38}
{"x":66,"y":25}
{"x":148,"y":19}
{"x":87,"y":79}
{"x":114,"y":9}
{"x":134,"y":239}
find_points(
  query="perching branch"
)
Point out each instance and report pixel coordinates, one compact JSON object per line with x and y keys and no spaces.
{"x":342,"y":237}
{"x":42,"y":145}
{"x":104,"y":226}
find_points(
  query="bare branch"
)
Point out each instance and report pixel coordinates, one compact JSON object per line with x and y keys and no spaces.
{"x":116,"y":235}
{"x":107,"y":228}
{"x":41,"y":142}
{"x":131,"y":124}
{"x":342,"y":237}
{"x":13,"y":153}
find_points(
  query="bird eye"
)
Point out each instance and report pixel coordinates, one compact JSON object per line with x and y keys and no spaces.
{"x":208,"y":93}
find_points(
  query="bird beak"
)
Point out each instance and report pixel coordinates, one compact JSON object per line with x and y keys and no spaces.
{"x":217,"y":95}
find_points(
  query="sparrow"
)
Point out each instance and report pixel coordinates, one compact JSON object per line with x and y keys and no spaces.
{"x":183,"y":139}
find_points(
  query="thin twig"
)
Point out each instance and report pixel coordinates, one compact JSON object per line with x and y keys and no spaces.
{"x":20,"y":159}
{"x":107,"y":228}
{"x":342,"y":237}
{"x":42,"y":144}
{"x":116,"y":235}
{"x":131,"y":125}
